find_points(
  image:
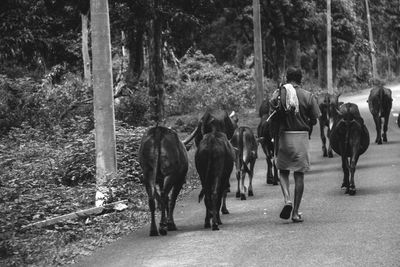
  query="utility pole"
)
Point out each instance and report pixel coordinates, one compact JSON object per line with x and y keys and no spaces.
{"x":371,"y":42}
{"x":258,"y":68}
{"x":328,"y":48}
{"x":106,"y":163}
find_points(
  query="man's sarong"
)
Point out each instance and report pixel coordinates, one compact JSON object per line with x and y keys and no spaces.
{"x":293,"y":151}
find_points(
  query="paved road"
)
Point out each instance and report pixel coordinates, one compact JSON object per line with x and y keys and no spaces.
{"x":339,"y":230}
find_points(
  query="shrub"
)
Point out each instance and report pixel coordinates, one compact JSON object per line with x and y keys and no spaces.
{"x":203,"y":84}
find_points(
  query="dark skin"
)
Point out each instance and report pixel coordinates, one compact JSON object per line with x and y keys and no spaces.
{"x":298,"y":190}
{"x":298,"y":179}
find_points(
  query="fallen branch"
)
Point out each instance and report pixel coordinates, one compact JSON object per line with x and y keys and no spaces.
{"x":78,"y":214}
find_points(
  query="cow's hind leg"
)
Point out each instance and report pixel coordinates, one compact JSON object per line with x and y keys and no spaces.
{"x":378,"y":123}
{"x":252,"y":162}
{"x":165,"y":189}
{"x":242,"y":186}
{"x":175,"y":192}
{"x":385,"y":128}
{"x":152,"y":206}
{"x":352,"y":186}
{"x":323,"y":140}
{"x":345,"y":167}
{"x":207,"y":202}
{"x":238,"y":182}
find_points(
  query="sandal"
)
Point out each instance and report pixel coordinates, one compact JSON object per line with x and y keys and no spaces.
{"x":287,"y":209}
{"x":297,"y":219}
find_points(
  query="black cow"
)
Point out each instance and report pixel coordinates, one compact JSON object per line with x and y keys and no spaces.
{"x":265,"y":138}
{"x":164,"y":162}
{"x":350,"y":139}
{"x":380,"y":103}
{"x":226,"y":124}
{"x":328,"y":105}
{"x":245,"y":145}
{"x":214,"y":159}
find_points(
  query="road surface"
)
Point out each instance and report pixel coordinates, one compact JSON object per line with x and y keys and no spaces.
{"x":338,"y":229}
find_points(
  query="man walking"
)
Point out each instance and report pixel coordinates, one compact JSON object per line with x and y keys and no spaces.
{"x":297,"y":111}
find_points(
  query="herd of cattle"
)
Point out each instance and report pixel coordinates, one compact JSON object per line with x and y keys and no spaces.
{"x":221,"y":144}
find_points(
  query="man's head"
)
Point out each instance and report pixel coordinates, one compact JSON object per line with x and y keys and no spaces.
{"x":293,"y":74}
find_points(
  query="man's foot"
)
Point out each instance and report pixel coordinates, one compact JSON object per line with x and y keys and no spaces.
{"x":297,"y":218}
{"x":287,"y":209}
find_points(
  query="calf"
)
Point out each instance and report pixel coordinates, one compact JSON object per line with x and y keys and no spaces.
{"x":380,"y":103}
{"x":222,"y":122}
{"x":265,"y":138}
{"x":245,"y":145}
{"x":328,"y":105}
{"x":350,"y":139}
{"x":164,"y":162}
{"x":214,"y":159}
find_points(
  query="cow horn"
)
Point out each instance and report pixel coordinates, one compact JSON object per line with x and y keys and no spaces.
{"x":232,"y":114}
{"x":338,"y":112}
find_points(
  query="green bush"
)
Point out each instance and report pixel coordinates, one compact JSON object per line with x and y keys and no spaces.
{"x":203,"y":83}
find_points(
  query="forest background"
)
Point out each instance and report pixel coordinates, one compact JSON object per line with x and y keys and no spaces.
{"x":47,"y":158}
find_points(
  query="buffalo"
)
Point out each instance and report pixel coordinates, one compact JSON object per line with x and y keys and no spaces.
{"x":224,"y":123}
{"x":328,"y":105}
{"x":380,"y":103}
{"x":245,"y":145}
{"x":265,"y":138}
{"x":214,"y":159}
{"x":349,"y":138}
{"x":164,"y":162}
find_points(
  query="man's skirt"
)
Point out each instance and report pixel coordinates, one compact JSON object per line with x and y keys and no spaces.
{"x":293,"y":151}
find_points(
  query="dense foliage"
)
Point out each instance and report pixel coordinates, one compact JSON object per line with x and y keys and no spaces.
{"x":47,"y":158}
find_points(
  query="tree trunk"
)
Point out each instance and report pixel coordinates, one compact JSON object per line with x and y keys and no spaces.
{"x":371,"y":42}
{"x":156,"y":74}
{"x":85,"y":50}
{"x":293,"y":53}
{"x":106,"y":164}
{"x":136,"y":55}
{"x":258,"y":69}
{"x":329,"y":49}
{"x":280,"y":62}
{"x":321,"y":67}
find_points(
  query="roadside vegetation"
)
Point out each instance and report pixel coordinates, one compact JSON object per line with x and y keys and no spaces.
{"x":47,"y":150}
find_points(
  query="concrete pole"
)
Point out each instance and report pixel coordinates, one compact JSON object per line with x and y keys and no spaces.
{"x":329,"y":48}
{"x":106,"y":163}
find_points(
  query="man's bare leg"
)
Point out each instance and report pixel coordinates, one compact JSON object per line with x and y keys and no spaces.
{"x":298,"y":193}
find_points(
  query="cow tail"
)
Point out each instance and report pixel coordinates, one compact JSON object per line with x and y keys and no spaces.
{"x":346,"y":138}
{"x":381,"y":97}
{"x":157,"y":153}
{"x":205,"y":190}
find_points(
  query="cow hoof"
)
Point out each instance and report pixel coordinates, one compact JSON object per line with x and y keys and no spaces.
{"x":207,"y":225}
{"x":153,"y":233}
{"x":347,"y":191}
{"x":385,"y":139}
{"x":225,"y":211}
{"x":237,"y":194}
{"x":270,"y":181}
{"x":163,"y":231}
{"x":380,"y":142}
{"x":352,"y":191}
{"x":251,"y":194}
{"x":171,"y":227}
{"x":242,"y":197}
{"x":324,"y":153}
{"x":330,"y":155}
{"x":215,"y":227}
